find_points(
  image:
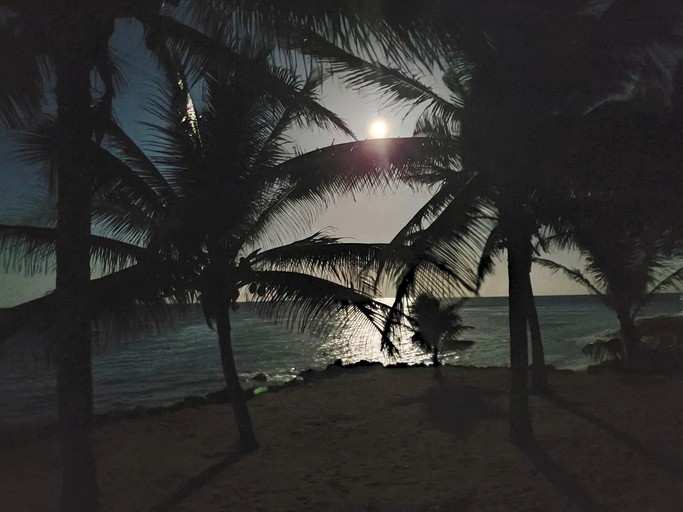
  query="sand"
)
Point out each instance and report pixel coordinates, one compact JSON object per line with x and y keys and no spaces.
{"x":373,"y":439}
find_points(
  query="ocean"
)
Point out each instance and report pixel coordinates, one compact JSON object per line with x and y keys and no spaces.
{"x":163,"y":368}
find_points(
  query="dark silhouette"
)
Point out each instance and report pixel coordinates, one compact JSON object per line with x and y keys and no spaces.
{"x":629,"y":234}
{"x":219,"y":183}
{"x":620,"y":280}
{"x":528,"y":70}
{"x":437,"y":328}
{"x":74,"y":36}
{"x":197,"y":482}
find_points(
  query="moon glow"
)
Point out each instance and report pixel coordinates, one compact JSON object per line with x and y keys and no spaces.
{"x":378,"y":128}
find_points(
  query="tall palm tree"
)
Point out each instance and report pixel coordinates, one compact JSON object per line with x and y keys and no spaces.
{"x":68,"y":40}
{"x":532,"y":69}
{"x":72,"y":37}
{"x":474,"y":213}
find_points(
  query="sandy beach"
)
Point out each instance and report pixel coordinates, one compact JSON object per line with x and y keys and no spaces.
{"x":373,"y":439}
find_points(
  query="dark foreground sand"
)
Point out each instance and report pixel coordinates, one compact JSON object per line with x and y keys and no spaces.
{"x":389,"y":440}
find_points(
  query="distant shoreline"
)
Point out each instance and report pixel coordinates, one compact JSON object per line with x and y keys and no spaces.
{"x":20,"y":434}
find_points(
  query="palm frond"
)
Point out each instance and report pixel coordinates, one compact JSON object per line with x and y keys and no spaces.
{"x":133,"y":174}
{"x":396,"y":85}
{"x":362,"y":29}
{"x":272,"y":150}
{"x":119,"y":219}
{"x":303,"y":101}
{"x":305,"y":184}
{"x":305,"y":302}
{"x":133,"y":301}
{"x":37,"y":145}
{"x":457,"y":238}
{"x":431,"y":124}
{"x":323,"y":256}
{"x":24,"y":70}
{"x":455,"y":192}
{"x":31,"y":249}
{"x":574,"y":274}
{"x":116,"y":181}
{"x":674,"y":280}
{"x":198,"y":50}
{"x":398,"y":319}
{"x":604,"y":350}
{"x":366,"y":164}
{"x":121,"y":145}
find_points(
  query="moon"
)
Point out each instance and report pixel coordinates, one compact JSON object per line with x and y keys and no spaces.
{"x":378,"y":128}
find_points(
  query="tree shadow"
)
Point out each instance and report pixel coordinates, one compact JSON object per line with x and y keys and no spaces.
{"x":455,"y":407}
{"x":666,"y":462}
{"x":198,"y":481}
{"x":563,"y":481}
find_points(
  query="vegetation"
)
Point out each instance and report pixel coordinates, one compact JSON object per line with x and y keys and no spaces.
{"x":72,"y":52}
{"x":517,"y":110}
{"x":626,"y":263}
{"x":72,"y":49}
{"x":438,"y":328}
{"x":514,"y":148}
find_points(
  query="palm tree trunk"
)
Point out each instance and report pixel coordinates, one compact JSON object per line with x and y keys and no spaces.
{"x":539,"y":374}
{"x":74,"y":182}
{"x":437,"y":364}
{"x":629,"y":335}
{"x":239,"y":403}
{"x":518,"y":264}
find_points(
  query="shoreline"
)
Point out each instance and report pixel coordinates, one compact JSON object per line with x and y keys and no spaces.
{"x":664,"y":327}
{"x":368,"y":439}
{"x":25,"y":431}
{"x":22,"y":433}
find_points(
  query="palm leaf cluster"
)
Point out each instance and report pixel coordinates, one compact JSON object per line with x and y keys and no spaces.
{"x":438,"y":328}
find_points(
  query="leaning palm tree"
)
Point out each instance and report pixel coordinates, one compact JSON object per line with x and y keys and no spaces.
{"x":70,"y":40}
{"x":219,"y":184}
{"x":437,"y":328}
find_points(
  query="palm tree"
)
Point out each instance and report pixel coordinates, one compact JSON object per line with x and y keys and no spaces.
{"x":527,"y":65}
{"x":474,"y":213}
{"x":70,"y":39}
{"x":220,"y":183}
{"x":437,"y":328}
{"x":75,"y":45}
{"x":628,"y":258}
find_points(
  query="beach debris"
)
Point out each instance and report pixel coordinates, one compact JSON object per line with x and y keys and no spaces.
{"x":260,"y":389}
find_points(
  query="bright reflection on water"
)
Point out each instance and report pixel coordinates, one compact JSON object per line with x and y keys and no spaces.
{"x":185,"y":361}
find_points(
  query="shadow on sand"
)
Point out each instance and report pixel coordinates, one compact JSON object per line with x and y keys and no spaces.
{"x":668,"y":463}
{"x":455,"y":407}
{"x":197,"y":482}
{"x":563,"y":481}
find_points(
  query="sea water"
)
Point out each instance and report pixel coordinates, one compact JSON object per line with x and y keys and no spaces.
{"x":184,"y":360}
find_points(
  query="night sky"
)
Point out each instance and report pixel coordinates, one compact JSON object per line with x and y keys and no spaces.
{"x":364,"y":218}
